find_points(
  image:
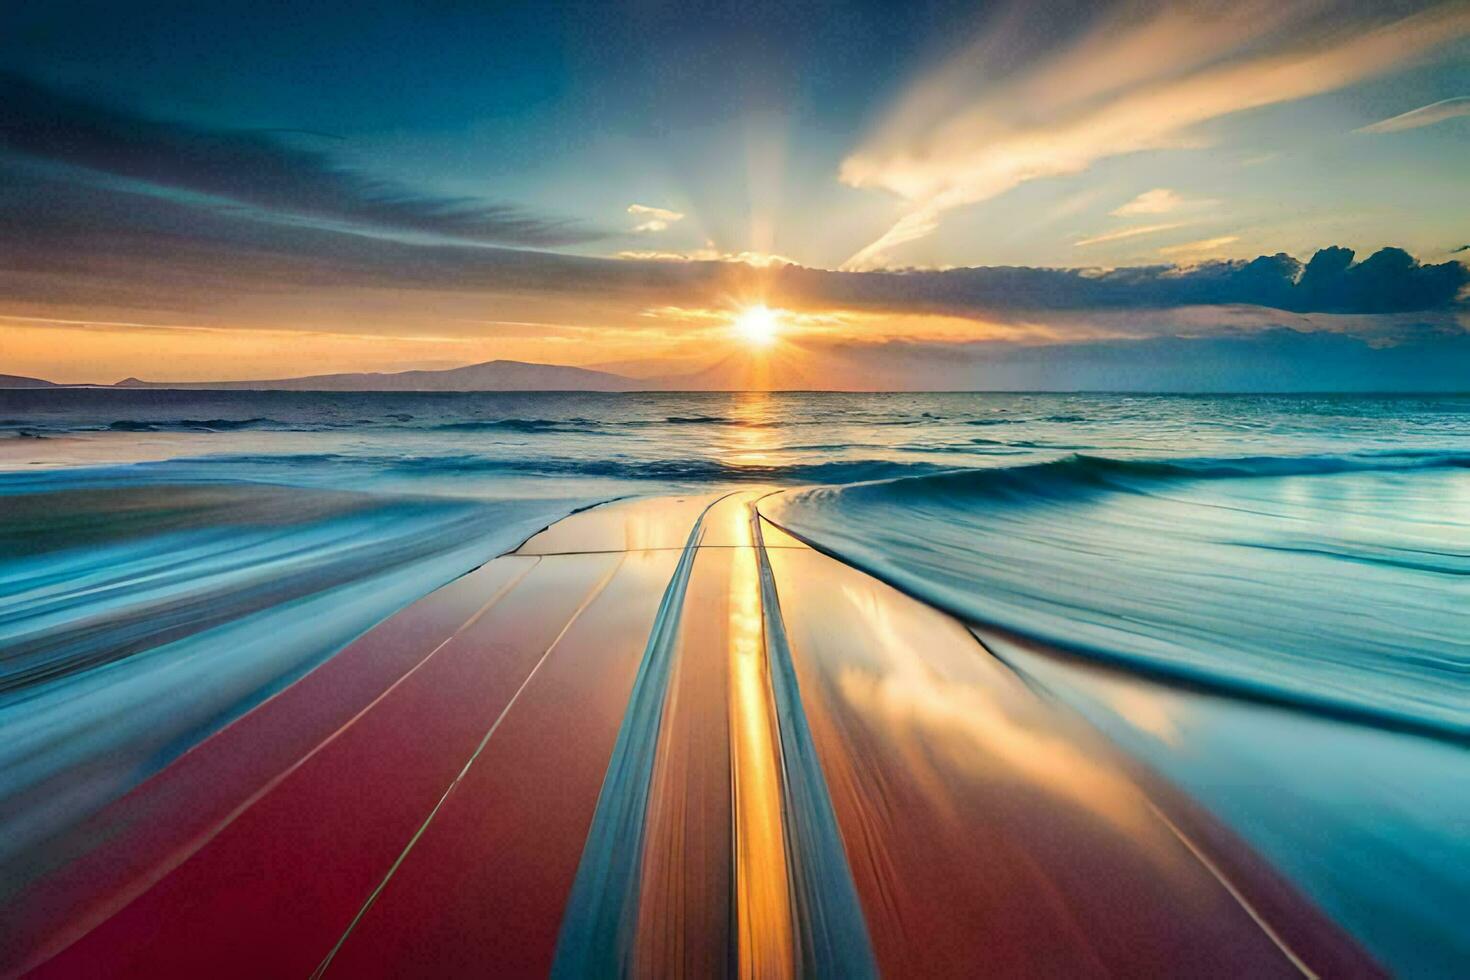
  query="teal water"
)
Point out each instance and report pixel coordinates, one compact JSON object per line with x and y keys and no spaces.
{"x":1266,"y":599}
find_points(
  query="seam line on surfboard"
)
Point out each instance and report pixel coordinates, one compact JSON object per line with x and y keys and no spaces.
{"x":1279,"y":941}
{"x":547,"y":527}
{"x":1266,"y":928}
{"x":1235,"y":893}
{"x":591,"y":597}
{"x":601,"y":910}
{"x":832,"y":932}
{"x":193,"y":846}
{"x":635,"y":551}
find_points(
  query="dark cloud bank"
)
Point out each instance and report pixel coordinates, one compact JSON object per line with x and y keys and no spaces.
{"x":1388,"y":281}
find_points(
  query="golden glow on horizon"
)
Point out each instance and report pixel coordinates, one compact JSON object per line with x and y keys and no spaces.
{"x":742,"y":340}
{"x":758,"y":325}
{"x":748,"y":339}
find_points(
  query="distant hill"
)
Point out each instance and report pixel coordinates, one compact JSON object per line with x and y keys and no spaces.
{"x":16,"y":381}
{"x":490,"y":376}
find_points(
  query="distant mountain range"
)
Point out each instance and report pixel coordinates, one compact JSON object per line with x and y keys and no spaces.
{"x":16,"y":381}
{"x":1264,"y":361}
{"x":729,"y":374}
{"x":490,"y":376}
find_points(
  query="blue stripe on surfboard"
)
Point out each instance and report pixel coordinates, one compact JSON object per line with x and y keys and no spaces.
{"x":601,"y":917}
{"x":832,"y":933}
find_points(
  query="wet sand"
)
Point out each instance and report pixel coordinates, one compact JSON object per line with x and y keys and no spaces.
{"x":662,"y":737}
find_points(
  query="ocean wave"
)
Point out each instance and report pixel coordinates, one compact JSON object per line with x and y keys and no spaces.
{"x":688,"y":470}
{"x":591,"y":425}
{"x":189,"y":425}
{"x":515,"y":425}
{"x":1248,"y":466}
{"x":681,"y":470}
{"x":1081,"y":470}
{"x":403,"y":421}
{"x":1192,"y":570}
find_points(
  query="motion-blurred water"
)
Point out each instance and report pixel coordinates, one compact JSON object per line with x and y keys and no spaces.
{"x":1300,"y":566}
{"x":477,"y":444}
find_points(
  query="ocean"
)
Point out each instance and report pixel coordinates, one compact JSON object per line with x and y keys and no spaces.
{"x":1264,"y":598}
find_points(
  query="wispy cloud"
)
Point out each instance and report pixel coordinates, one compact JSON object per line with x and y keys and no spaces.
{"x":1114,"y":236}
{"x":759,"y":260}
{"x":1202,"y":247}
{"x":1160,"y":200}
{"x":254,"y":168}
{"x":77,"y":252}
{"x":1428,"y":115}
{"x":653,"y":219}
{"x":1256,"y":159}
{"x":1132,"y":83}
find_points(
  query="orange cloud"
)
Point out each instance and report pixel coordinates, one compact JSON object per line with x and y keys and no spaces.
{"x":654,"y":219}
{"x":759,"y":260}
{"x":1134,"y":84}
{"x":1114,"y":236}
{"x":1202,"y":247}
{"x":1160,"y":200}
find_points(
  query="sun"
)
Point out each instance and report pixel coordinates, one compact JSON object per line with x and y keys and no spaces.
{"x":758,"y":326}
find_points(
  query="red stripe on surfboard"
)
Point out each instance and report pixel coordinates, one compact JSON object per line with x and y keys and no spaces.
{"x":483,"y":890}
{"x":984,"y":829}
{"x":685,"y":902}
{"x":114,"y":854}
{"x":273,"y":891}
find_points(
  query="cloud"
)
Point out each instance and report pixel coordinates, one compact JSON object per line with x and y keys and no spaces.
{"x":63,"y":242}
{"x":1387,"y":282}
{"x":1160,"y":200}
{"x":655,"y":219}
{"x":71,"y":250}
{"x":1132,"y":82}
{"x":1424,"y":116}
{"x":1199,"y":247}
{"x":256,"y":168}
{"x":1114,"y":236}
{"x":759,"y":260}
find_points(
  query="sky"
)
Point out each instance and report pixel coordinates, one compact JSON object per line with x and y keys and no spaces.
{"x":1192,"y":195}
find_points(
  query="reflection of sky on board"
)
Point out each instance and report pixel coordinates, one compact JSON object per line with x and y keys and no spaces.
{"x":913,"y":681}
{"x":1371,"y":824}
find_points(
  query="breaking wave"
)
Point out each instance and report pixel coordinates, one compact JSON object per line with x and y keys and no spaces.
{"x":1282,"y":579}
